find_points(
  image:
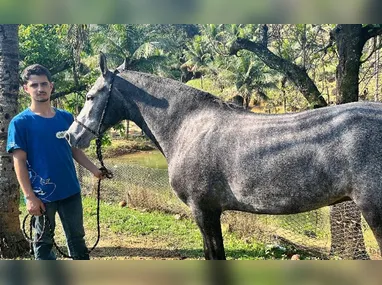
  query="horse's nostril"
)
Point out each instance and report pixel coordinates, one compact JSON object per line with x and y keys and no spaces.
{"x":67,"y":137}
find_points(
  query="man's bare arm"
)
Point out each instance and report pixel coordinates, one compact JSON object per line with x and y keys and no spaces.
{"x":83,"y":160}
{"x":34,"y":204}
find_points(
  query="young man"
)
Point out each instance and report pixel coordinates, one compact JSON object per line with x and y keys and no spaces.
{"x":44,"y":166}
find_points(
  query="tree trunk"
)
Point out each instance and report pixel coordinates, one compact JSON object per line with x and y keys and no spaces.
{"x":349,"y":46}
{"x":345,"y":218}
{"x":12,"y":242}
{"x":127,"y":129}
{"x":283,"y":83}
{"x":376,"y":71}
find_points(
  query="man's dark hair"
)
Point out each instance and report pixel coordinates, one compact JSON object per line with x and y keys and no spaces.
{"x":35,"y":69}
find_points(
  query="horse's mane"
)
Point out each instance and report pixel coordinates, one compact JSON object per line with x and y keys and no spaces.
{"x":171,"y":84}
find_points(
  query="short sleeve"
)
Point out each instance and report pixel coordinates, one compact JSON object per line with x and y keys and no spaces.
{"x":16,"y":136}
{"x":68,"y":117}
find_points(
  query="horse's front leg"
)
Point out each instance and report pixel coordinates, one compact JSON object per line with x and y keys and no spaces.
{"x":208,"y":221}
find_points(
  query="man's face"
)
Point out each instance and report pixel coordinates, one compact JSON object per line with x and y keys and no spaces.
{"x":39,"y":88}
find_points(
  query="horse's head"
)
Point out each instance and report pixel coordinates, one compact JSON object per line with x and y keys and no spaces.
{"x":103,"y":109}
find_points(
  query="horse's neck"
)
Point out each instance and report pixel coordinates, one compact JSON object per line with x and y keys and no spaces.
{"x":161,"y":126}
{"x":160,"y":111}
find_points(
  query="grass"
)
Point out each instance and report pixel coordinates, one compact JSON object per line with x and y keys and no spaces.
{"x":181,"y":234}
{"x":128,"y":233}
{"x":141,"y":233}
{"x":150,"y":159}
{"x":120,"y":147}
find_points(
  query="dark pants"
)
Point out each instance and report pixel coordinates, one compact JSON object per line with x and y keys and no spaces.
{"x":71,"y":216}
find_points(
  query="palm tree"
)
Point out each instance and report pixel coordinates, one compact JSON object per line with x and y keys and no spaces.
{"x":139,"y":47}
{"x":247,"y":74}
{"x":12,"y":243}
{"x":198,"y":57}
{"x":135,"y":45}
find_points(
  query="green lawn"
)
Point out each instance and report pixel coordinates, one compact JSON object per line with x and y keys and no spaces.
{"x":152,"y":230}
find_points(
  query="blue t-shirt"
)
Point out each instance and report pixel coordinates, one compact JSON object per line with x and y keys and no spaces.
{"x":49,"y":157}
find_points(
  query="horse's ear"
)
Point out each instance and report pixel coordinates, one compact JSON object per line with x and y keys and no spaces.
{"x":103,"y":64}
{"x":123,"y":66}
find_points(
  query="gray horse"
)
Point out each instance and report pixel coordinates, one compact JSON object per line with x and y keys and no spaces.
{"x":221,"y":157}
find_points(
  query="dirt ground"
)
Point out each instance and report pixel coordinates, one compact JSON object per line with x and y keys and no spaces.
{"x":116,"y":246}
{"x":134,"y":248}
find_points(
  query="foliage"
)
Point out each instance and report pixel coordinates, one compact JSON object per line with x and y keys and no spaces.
{"x":147,"y":48}
{"x":52,"y":46}
{"x":208,"y":86}
{"x":42,"y":44}
{"x":202,"y":51}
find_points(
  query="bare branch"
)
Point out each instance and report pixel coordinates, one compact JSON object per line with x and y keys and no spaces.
{"x":66,"y":92}
{"x":61,"y":67}
{"x":375,"y":48}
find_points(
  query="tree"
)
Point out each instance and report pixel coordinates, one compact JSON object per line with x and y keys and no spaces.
{"x":247,"y":74}
{"x":147,"y":48}
{"x":197,"y":57}
{"x":12,"y":242}
{"x":292,"y":71}
{"x":57,"y":47}
{"x":350,"y":40}
{"x":138,"y":46}
{"x":345,"y":220}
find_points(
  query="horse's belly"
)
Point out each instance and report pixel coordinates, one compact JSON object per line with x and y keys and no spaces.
{"x":283,"y":201}
{"x":289,"y":183}
{"x":277,"y":207}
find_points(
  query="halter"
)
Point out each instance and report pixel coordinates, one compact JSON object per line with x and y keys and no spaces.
{"x":97,"y":133}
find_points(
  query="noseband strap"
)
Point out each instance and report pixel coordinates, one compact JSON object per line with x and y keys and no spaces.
{"x":87,"y":128}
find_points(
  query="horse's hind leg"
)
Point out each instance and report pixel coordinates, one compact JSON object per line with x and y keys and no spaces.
{"x":209,"y":225}
{"x":372,"y":212}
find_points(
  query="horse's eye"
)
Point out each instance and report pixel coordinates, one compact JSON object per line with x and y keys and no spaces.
{"x":89,"y":97}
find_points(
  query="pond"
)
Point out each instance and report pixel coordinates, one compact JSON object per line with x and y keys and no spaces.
{"x":152,"y":159}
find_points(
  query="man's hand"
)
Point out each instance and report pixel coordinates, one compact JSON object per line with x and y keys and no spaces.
{"x":103,"y":173}
{"x":99,"y":174}
{"x":35,"y":206}
{"x":83,"y":160}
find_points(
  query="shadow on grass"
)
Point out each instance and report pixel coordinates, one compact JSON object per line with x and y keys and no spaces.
{"x":148,"y":253}
{"x":138,"y":252}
